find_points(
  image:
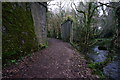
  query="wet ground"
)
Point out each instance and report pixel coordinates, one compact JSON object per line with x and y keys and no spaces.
{"x":59,"y":60}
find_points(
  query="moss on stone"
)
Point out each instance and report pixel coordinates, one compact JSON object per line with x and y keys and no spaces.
{"x":18,"y":36}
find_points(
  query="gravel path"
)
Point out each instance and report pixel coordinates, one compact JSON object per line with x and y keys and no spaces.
{"x":59,"y":60}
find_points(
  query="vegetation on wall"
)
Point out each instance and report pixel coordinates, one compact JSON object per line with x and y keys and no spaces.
{"x":18,"y":38}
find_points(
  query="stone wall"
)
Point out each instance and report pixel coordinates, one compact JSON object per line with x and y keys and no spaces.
{"x":18,"y":35}
{"x":66,"y":30}
{"x":39,"y":11}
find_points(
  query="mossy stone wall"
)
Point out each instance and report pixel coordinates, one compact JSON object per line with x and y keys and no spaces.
{"x":39,"y":12}
{"x":18,"y":35}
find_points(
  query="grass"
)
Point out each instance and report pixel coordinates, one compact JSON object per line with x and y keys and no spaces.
{"x":97,"y":68}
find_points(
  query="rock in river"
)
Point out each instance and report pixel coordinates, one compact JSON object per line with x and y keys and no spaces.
{"x":98,"y":55}
{"x":112,"y":70}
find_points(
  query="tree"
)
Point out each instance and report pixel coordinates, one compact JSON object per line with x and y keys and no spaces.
{"x":56,"y":19}
{"x":87,"y":14}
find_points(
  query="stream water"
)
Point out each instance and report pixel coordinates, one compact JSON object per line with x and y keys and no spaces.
{"x":98,"y":55}
{"x":112,"y":69}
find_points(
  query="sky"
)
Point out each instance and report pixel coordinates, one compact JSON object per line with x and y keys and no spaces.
{"x":65,"y":3}
{"x":53,"y":5}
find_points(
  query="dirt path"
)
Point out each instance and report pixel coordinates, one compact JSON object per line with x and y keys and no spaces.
{"x":59,"y":60}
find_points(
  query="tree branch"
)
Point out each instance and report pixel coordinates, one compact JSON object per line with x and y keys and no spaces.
{"x":78,"y":10}
{"x":101,"y":4}
{"x":74,"y":10}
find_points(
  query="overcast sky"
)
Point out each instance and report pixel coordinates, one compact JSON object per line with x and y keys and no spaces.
{"x":67,"y":4}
